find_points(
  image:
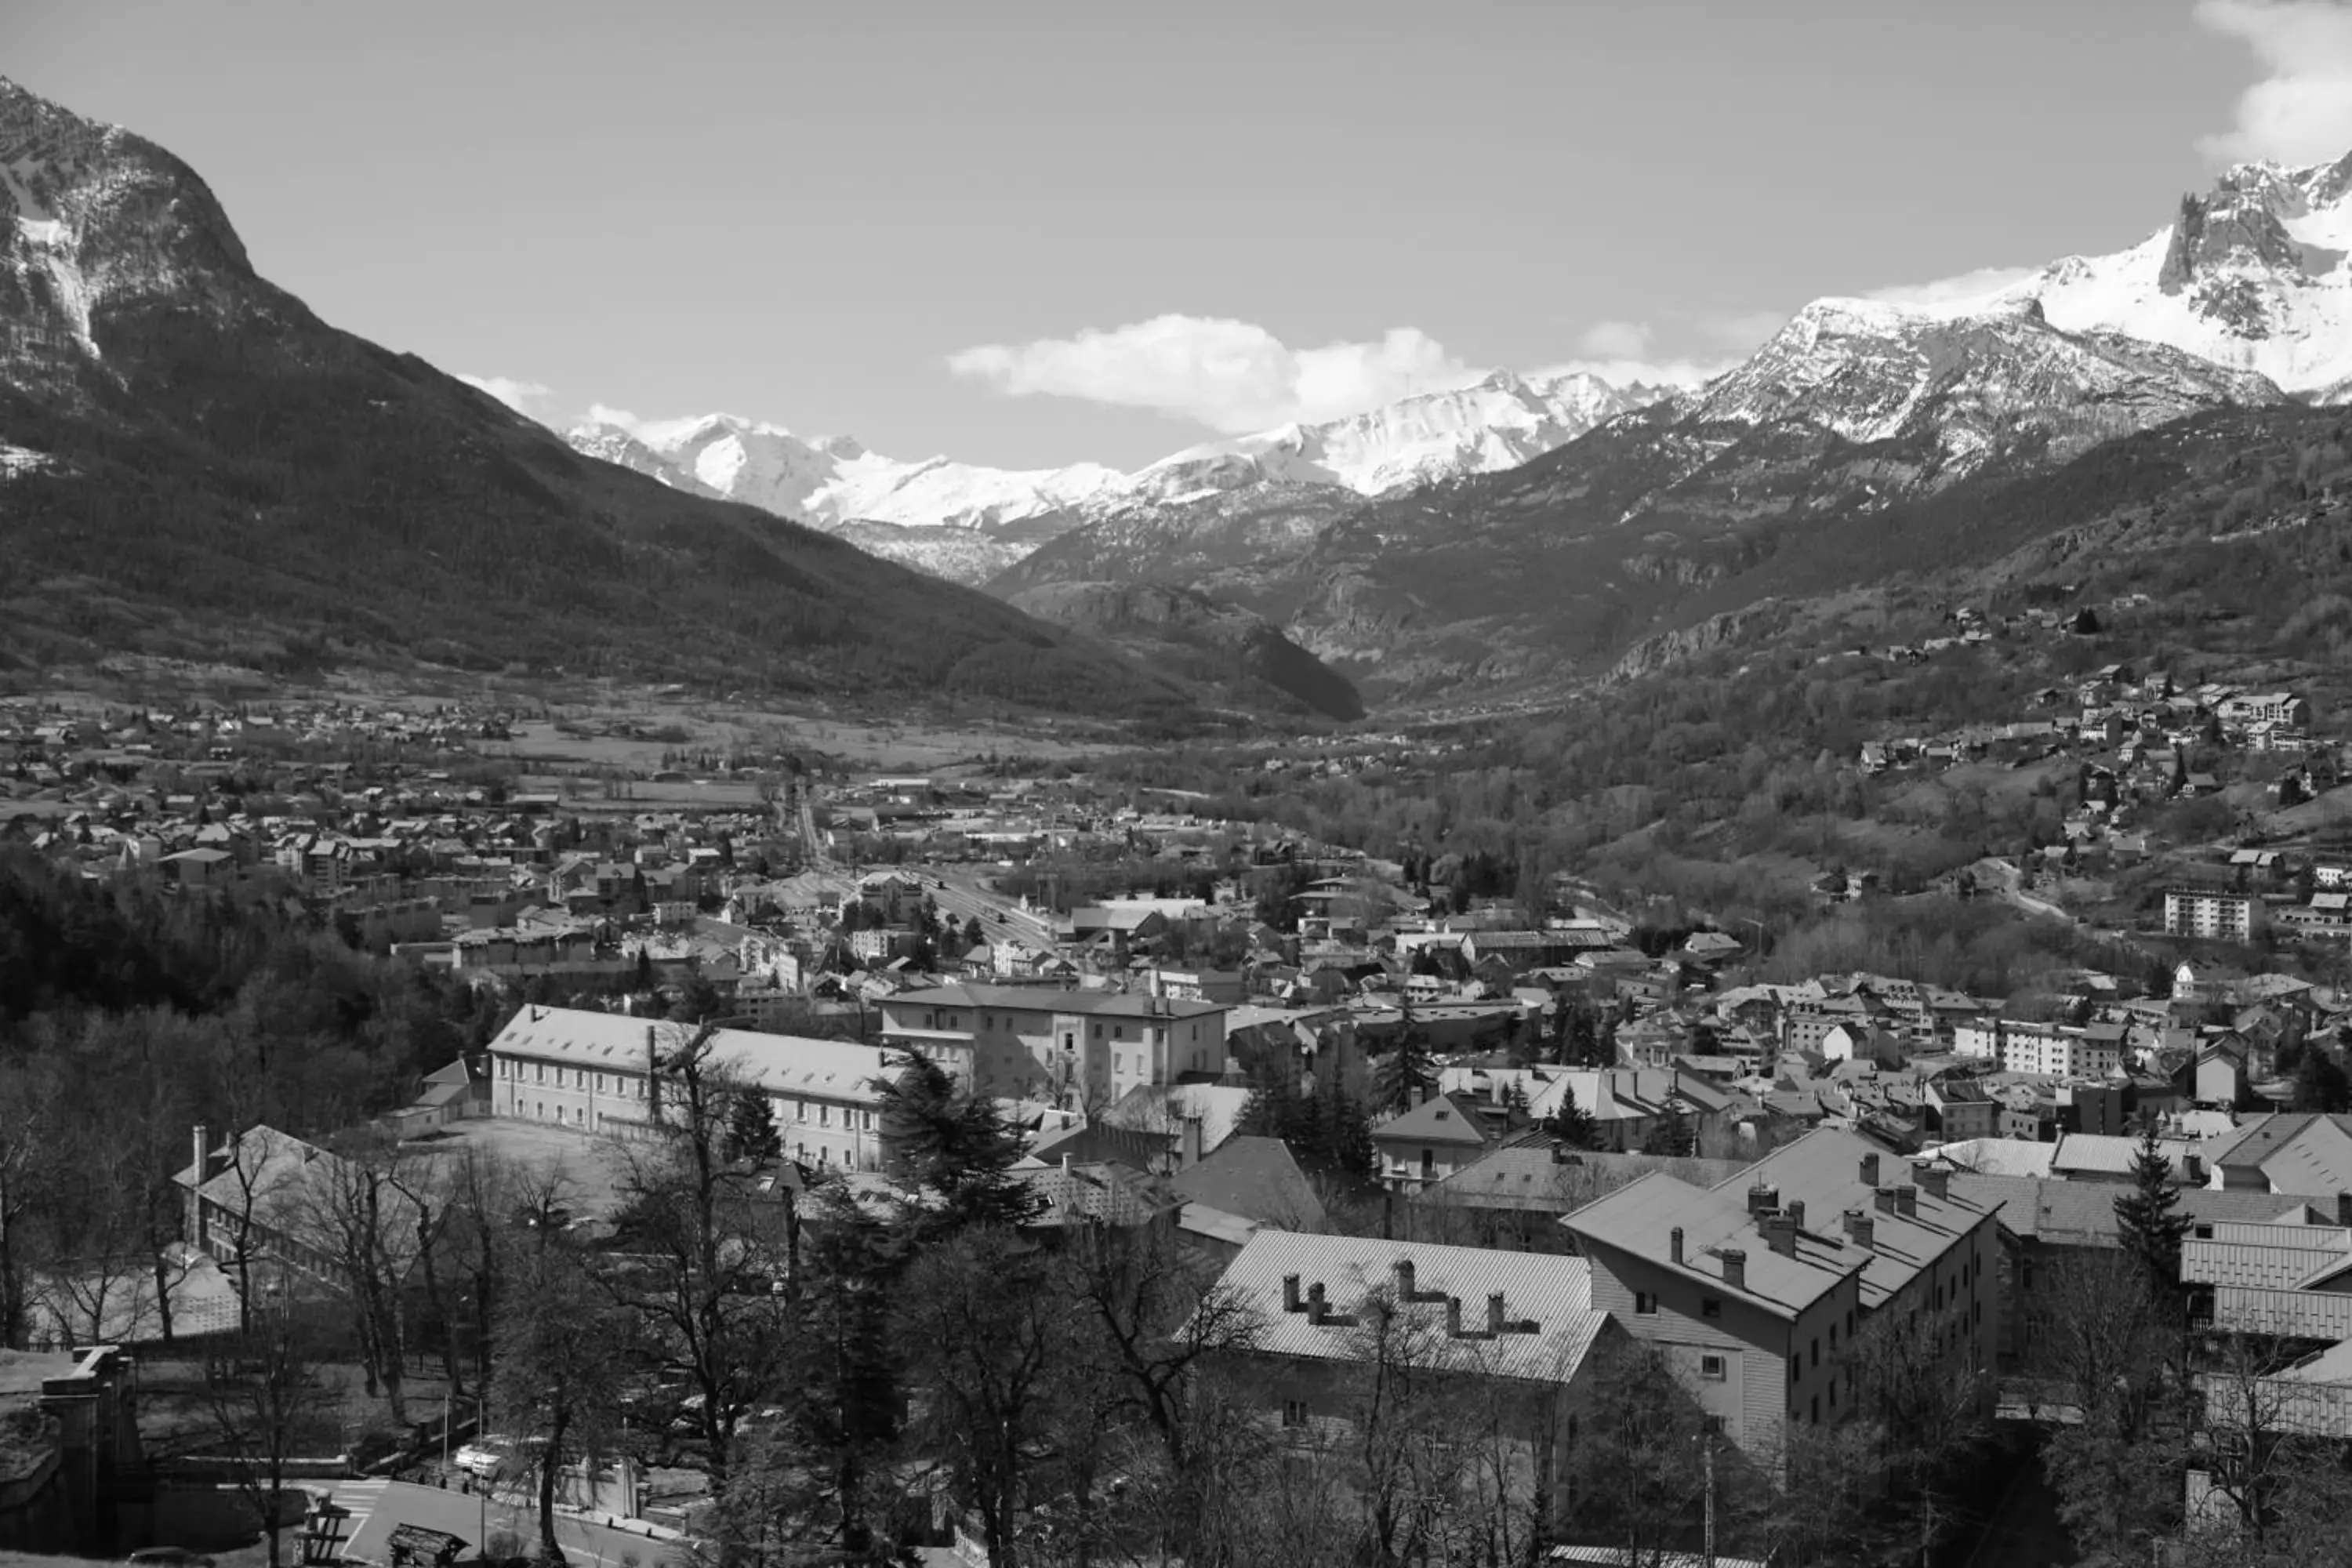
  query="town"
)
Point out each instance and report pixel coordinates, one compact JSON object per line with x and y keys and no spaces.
{"x":1291,"y":1113}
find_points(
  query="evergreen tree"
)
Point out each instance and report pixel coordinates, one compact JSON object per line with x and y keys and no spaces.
{"x":1570,"y":1124}
{"x":1403,"y":1077}
{"x":751,"y":1133}
{"x":2319,"y":1084}
{"x":955,"y":1145}
{"x":2151,"y":1228}
{"x":1671,"y":1135}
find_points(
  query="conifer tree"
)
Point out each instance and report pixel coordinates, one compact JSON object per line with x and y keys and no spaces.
{"x":2152,"y":1228}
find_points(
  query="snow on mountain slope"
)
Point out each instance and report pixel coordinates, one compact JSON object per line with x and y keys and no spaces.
{"x":2252,"y":275}
{"x":1973,"y":386}
{"x":1498,"y":423}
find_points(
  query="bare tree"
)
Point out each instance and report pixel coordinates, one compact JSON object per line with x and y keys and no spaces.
{"x":553,"y":1382}
{"x":705,"y":1270}
{"x":266,"y":1403}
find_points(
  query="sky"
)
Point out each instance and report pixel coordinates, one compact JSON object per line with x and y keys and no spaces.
{"x":1036,"y":232}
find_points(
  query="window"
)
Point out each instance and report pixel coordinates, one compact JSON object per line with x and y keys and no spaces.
{"x":1714,"y":1425}
{"x":1817,"y":1409}
{"x":1832,"y":1336}
{"x":1710,"y":1306}
{"x":1294,"y":1412}
{"x":800,"y":1110}
{"x":1645,"y":1303}
{"x":824,"y":1116}
{"x":1711,"y":1366}
{"x":600,"y":1083}
{"x":1817,"y":1351}
{"x":541,"y":1077}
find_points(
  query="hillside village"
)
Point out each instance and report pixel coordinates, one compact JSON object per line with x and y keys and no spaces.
{"x":1327,"y":1081}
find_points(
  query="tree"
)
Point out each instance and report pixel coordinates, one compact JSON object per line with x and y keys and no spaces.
{"x":751,"y":1133}
{"x":1571,"y":1125}
{"x":2152,"y":1228}
{"x":1672,"y":1134}
{"x":554,"y":1385}
{"x":2102,"y":1345}
{"x":267,"y":1404}
{"x":1406,"y":1074}
{"x":1639,"y":1482}
{"x":985,"y":1336}
{"x":955,"y":1145}
{"x":2320,"y":1084}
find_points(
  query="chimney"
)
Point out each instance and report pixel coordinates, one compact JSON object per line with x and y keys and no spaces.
{"x":2192,"y":1170}
{"x":1936,"y":1180}
{"x":1735,"y":1267}
{"x":1454,"y":1316}
{"x":1906,"y":1201}
{"x":1860,"y":1229}
{"x":2344,"y":1209}
{"x":193,"y":1228}
{"x":653,"y":1077}
{"x":1674,"y":1242}
{"x":1190,"y":1135}
{"x":1870,"y":1170}
{"x":1316,"y":1305}
{"x":1290,"y":1302}
{"x":1781,"y":1234}
{"x":1065,"y":1164}
{"x":1884,"y":1198}
{"x":1404,"y":1279}
{"x":1763,"y":1198}
{"x":1494,"y":1313}
{"x":1796,"y":1212}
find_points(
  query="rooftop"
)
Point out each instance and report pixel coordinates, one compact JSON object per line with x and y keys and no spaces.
{"x":1547,"y":1302}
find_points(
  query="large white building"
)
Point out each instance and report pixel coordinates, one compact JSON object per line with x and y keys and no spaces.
{"x":2216,"y":916}
{"x":1078,"y":1047}
{"x":605,"y":1072}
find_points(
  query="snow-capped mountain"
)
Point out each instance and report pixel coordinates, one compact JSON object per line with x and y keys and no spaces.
{"x":1964,"y":388}
{"x":837,"y":485}
{"x":828,"y":481}
{"x":2252,"y":275}
{"x":1497,"y":423}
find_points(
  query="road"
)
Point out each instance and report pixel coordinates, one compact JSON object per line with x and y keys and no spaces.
{"x":961,"y":897}
{"x":2000,"y":877}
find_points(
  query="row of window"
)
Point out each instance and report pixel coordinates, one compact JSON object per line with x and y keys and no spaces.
{"x":627,"y":1085}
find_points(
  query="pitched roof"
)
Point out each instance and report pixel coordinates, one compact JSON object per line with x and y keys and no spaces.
{"x":1359,"y":1279}
{"x":1534,"y":1178}
{"x":2082,"y":1213}
{"x":1255,"y":1178}
{"x":1822,"y":1171}
{"x":617,"y":1042}
{"x":1440,"y":1119}
{"x":2295,"y":1152}
{"x":1105,"y":1192}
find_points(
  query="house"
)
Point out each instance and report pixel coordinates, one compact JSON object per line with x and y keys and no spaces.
{"x":1429,"y":1142}
{"x":1517,"y":1331}
{"x":608,"y":1072}
{"x":1754,"y":1288}
{"x":1959,"y":1107}
{"x":271,"y":1197}
{"x":2302,"y":1154}
{"x":1075,"y":1048}
{"x":1515,"y":1196}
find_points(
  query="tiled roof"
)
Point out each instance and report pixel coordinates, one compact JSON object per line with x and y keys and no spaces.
{"x":1535,"y":1179}
{"x":1358,"y":1276}
{"x":2266,"y":1257}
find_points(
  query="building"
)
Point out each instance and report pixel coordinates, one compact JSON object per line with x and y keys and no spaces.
{"x":1756,"y":1289}
{"x":2205,"y":912}
{"x":1430,"y":1142}
{"x":1327,"y":1312}
{"x":607,"y":1072}
{"x":1074,"y":1047}
{"x":2057,"y":1052}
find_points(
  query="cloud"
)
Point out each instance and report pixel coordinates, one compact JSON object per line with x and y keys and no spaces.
{"x":1959,"y":288}
{"x":1233,"y":376}
{"x":2301,"y":112}
{"x":1620,"y":352}
{"x":1615,"y":340}
{"x":517,"y":396}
